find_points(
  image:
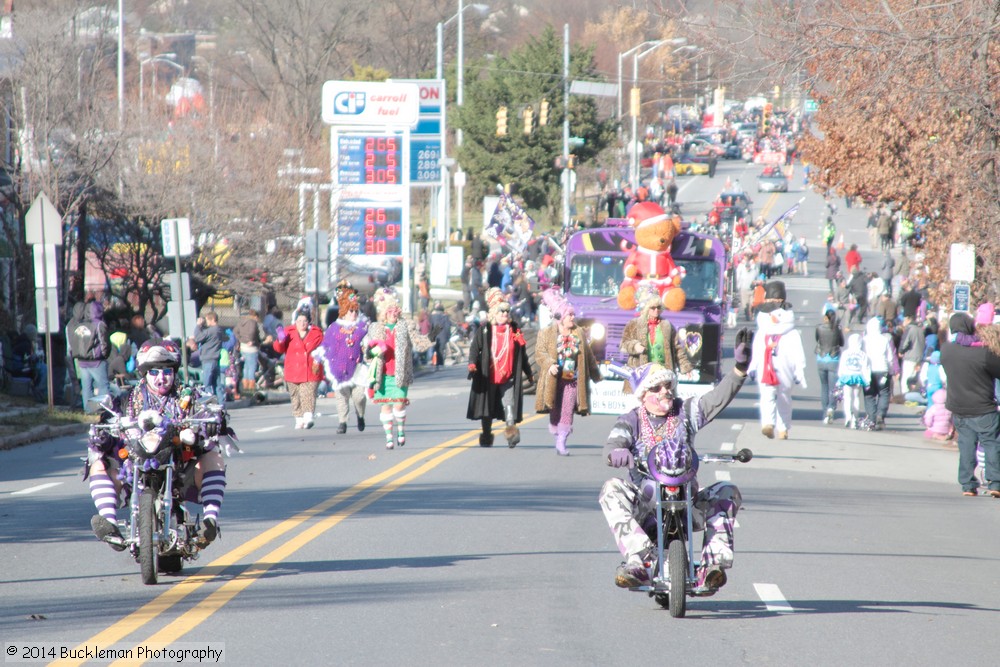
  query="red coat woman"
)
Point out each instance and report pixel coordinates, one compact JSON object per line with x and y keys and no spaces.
{"x":302,"y":372}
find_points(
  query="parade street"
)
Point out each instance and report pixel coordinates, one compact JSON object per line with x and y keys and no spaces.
{"x":852,"y":547}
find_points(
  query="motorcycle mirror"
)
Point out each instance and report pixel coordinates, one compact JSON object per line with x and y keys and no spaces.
{"x":743,"y":455}
{"x":104,"y":401}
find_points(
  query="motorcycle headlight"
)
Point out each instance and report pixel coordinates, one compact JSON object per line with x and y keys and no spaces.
{"x":188,"y":436}
{"x":150,"y":441}
{"x":597,"y":331}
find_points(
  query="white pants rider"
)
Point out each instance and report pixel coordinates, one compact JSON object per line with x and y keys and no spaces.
{"x":775,"y":406}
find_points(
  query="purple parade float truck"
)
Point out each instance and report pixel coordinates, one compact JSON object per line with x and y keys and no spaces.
{"x":593,"y":272}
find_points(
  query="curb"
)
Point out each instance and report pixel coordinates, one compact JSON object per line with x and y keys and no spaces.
{"x":40,"y":433}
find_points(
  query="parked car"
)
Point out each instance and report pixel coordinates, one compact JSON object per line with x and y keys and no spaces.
{"x":772,"y":179}
{"x":366,"y":274}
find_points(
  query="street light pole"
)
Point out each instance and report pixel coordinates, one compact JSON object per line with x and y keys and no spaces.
{"x":636,"y":57}
{"x":121,"y":63}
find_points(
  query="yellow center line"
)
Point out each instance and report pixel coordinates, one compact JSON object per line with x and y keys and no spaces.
{"x":769,"y":204}
{"x":218,"y":599}
{"x":163,"y":602}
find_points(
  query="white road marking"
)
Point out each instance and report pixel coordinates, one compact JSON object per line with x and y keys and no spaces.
{"x":771,"y":596}
{"x":805,"y":302}
{"x":32,"y":489}
{"x":736,"y":523}
{"x":269,"y":428}
{"x":722,"y":476}
{"x":736,"y":427}
{"x":727,"y":446}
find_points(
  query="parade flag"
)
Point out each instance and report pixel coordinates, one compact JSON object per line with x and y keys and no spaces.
{"x":510,"y":225}
{"x":777,"y":226}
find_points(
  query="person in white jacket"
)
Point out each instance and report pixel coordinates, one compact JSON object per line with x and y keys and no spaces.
{"x":882,"y":355}
{"x":778,"y":361}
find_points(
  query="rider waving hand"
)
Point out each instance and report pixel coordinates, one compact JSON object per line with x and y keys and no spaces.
{"x":663,"y":417}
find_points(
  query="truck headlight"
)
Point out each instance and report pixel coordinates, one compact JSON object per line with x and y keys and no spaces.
{"x":597,"y":331}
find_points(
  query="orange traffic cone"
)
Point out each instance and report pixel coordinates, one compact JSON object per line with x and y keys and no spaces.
{"x":840,"y":242}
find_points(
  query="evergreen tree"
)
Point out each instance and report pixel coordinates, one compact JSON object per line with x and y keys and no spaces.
{"x":526,"y":161}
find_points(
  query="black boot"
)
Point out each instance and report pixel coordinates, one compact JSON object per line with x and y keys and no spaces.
{"x":486,"y":437}
{"x":107,"y":531}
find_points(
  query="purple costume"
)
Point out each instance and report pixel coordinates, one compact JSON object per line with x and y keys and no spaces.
{"x":341,"y":354}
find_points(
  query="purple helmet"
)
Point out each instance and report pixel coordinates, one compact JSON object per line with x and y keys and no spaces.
{"x":673,"y":465}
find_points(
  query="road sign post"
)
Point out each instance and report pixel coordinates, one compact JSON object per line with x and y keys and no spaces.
{"x":43,"y":230}
{"x":176,"y":236}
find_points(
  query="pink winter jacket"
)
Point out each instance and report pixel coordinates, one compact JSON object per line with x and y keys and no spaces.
{"x":937,"y":418}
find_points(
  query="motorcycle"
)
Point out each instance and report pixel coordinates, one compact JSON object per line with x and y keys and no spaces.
{"x":676,"y":520}
{"x":157,"y":475}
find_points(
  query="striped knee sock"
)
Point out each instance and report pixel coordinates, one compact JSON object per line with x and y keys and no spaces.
{"x":102,"y":490}
{"x":400,"y":417}
{"x":213,"y":488}
{"x":386,"y":419}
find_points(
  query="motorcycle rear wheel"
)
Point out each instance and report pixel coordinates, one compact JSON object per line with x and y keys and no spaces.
{"x":677,"y":564}
{"x":148,"y":555}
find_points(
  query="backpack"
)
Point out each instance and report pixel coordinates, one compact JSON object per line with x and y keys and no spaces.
{"x":84,"y":342}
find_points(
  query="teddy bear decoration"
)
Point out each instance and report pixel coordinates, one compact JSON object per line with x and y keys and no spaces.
{"x":649,"y":261}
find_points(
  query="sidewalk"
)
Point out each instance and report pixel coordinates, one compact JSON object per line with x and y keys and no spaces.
{"x":899,"y":452}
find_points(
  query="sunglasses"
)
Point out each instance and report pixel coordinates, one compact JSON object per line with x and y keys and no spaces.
{"x":656,"y":307}
{"x":156,"y":372}
{"x":658,"y":388}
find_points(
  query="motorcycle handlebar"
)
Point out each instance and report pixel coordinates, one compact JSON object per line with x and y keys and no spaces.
{"x":742,"y":456}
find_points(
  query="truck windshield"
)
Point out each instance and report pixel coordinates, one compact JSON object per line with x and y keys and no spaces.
{"x":601,"y":276}
{"x":592,"y":275}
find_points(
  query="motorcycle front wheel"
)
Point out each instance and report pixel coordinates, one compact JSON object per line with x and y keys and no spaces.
{"x":677,"y":564}
{"x":148,"y":555}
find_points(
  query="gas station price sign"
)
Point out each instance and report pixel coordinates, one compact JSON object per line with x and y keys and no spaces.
{"x":370,"y":228}
{"x":364,"y":159}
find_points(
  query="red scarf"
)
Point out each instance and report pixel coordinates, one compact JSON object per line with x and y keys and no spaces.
{"x":502,"y":353}
{"x":651,"y":324}
{"x":768,"y":376}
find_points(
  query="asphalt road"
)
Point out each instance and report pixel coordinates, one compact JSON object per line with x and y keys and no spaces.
{"x":852,"y":548}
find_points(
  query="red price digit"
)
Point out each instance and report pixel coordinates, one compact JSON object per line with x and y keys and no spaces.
{"x":391,"y":144}
{"x":370,"y":175}
{"x":369,"y":230}
{"x":369,"y":143}
{"x":381,"y":143}
{"x":390,"y":160}
{"x":380,"y":216}
{"x":390,"y":231}
{"x":369,"y":214}
{"x":369,"y":247}
{"x":369,"y":159}
{"x":380,"y":246}
{"x":392,"y":176}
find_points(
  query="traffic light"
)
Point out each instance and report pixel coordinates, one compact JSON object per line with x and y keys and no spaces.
{"x":543,"y":113}
{"x":571,"y":162}
{"x":529,"y":119}
{"x":502,"y":121}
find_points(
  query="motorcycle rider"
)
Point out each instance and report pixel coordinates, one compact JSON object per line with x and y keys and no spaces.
{"x":662,"y":416}
{"x":157,"y":363}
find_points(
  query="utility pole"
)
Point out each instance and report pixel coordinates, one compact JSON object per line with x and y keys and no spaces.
{"x":565,"y":150}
